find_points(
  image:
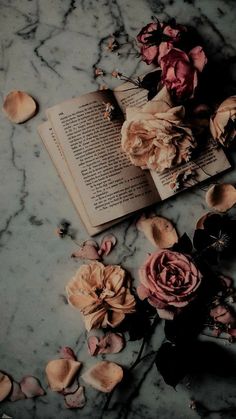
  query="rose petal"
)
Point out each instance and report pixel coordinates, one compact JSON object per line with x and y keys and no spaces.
{"x":111,"y":343}
{"x":158,"y":230}
{"x":5,"y":386}
{"x":75,"y":400}
{"x":221,"y":197}
{"x":31,"y":387}
{"x":198,"y":58}
{"x":108,"y":242}
{"x":87,"y":251}
{"x":16,"y":393}
{"x":103,"y":376}
{"x":60,"y":373}
{"x":72,"y":388}
{"x":19,"y":106}
{"x":67,"y":353}
{"x":93,"y":343}
{"x":223,"y":315}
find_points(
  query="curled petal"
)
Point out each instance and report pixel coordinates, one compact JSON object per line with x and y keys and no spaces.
{"x":16,"y":393}
{"x":198,"y":58}
{"x":103,"y":376}
{"x":93,"y":343}
{"x":67,"y":353}
{"x":159,"y":231}
{"x":221,"y":197}
{"x":31,"y":387}
{"x":108,"y":242}
{"x":111,"y":343}
{"x":5,"y":386}
{"x":19,"y":106}
{"x":75,"y":400}
{"x":72,"y":388}
{"x":60,"y":373}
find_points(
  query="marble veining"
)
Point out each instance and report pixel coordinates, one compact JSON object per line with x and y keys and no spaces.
{"x":50,"y":48}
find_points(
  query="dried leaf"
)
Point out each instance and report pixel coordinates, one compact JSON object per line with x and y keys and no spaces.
{"x":159,"y":231}
{"x":31,"y":387}
{"x":108,"y":242}
{"x":19,"y":106}
{"x":16,"y":393}
{"x":103,"y":376}
{"x":5,"y":386}
{"x":75,"y":400}
{"x":221,"y":197}
{"x":60,"y":373}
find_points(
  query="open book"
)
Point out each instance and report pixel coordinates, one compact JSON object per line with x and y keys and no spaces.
{"x":102,"y":183}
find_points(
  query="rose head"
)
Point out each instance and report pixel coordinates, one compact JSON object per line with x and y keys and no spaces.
{"x":180,"y":70}
{"x":169,"y":280}
{"x":102,"y":294}
{"x":156,"y":34}
{"x":155,"y":137}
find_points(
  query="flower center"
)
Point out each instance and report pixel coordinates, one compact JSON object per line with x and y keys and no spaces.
{"x":221,"y":242}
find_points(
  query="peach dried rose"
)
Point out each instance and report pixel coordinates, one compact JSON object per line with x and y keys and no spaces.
{"x":102,"y":294}
{"x":222,"y":123}
{"x":155,"y":136}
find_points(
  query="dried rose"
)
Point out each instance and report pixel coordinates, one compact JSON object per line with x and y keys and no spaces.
{"x":169,"y":280}
{"x":223,"y":122}
{"x":102,"y":294}
{"x":180,"y":71}
{"x":155,"y":136}
{"x":155,"y":38}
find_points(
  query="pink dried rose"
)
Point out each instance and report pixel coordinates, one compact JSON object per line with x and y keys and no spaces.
{"x":180,"y":70}
{"x":155,"y":136}
{"x":169,"y":281}
{"x":155,"y":37}
{"x":102,"y":294}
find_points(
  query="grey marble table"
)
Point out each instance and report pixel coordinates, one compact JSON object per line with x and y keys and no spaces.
{"x":49,"y":48}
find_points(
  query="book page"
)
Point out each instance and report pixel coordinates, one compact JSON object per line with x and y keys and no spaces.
{"x":210,"y":161}
{"x":55,"y":152}
{"x":110,"y":186}
{"x":128,"y":95}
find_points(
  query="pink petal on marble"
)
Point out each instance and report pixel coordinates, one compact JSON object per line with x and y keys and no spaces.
{"x":108,"y":242}
{"x":16,"y":393}
{"x":93,"y":343}
{"x":72,"y":388}
{"x":31,"y":387}
{"x":111,"y":343}
{"x":67,"y":353}
{"x":75,"y":400}
{"x":87,"y":251}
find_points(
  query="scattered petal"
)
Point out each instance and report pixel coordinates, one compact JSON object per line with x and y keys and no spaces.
{"x":75,"y":400}
{"x":72,"y":388}
{"x":16,"y":393}
{"x":5,"y":386}
{"x":159,"y":231}
{"x":67,"y":353}
{"x":93,"y":343}
{"x":103,"y":376}
{"x":87,"y":251}
{"x":221,"y":197}
{"x":60,"y":373}
{"x":31,"y":387}
{"x":108,"y":242}
{"x":111,"y":343}
{"x":19,"y":106}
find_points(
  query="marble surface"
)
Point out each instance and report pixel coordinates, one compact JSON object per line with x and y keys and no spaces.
{"x":49,"y":49}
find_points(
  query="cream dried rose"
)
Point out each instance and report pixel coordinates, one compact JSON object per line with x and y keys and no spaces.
{"x":102,"y":294}
{"x":223,"y":122}
{"x":155,"y":137}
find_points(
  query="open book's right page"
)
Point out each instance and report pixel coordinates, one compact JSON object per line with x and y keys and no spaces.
{"x":210,"y":161}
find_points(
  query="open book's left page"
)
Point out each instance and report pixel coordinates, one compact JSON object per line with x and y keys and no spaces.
{"x":54,"y":149}
{"x":110,"y":186}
